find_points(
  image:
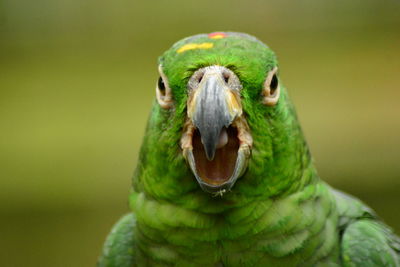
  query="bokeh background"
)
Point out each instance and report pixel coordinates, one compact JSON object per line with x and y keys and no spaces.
{"x":77,"y":81}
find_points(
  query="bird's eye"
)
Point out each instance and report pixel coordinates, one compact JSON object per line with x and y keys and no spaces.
{"x":163,"y":91}
{"x":274,"y":84}
{"x":161,"y":85}
{"x":271,"y":90}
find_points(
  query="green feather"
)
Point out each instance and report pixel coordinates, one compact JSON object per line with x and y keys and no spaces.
{"x":279,"y":213}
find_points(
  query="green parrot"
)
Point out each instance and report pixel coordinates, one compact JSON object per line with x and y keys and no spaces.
{"x":225,"y":177}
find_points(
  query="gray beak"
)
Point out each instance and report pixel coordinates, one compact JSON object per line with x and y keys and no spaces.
{"x":214,"y":110}
{"x":211,"y":112}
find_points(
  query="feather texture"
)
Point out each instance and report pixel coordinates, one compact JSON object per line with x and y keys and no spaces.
{"x":279,"y":213}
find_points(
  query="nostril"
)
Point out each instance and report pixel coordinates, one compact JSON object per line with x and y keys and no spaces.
{"x":226,"y":77}
{"x":199,"y":76}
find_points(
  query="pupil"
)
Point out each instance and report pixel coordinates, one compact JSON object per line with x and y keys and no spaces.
{"x":161,"y":84}
{"x":274,"y":82}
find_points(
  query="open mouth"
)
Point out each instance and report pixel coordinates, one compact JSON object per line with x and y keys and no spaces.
{"x":230,"y":159}
{"x":220,"y":169}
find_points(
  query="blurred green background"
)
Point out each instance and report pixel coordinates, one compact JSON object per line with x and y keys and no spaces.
{"x":77,"y":81}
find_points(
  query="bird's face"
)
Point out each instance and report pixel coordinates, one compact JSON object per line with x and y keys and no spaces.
{"x":218,"y":79}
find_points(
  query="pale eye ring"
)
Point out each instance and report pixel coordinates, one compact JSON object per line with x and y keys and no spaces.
{"x":271,"y":89}
{"x":163,"y":91}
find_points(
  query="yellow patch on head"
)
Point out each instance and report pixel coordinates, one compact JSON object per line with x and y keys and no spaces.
{"x":194,"y":46}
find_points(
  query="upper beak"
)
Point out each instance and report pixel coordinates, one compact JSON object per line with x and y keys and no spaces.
{"x":216,"y":139}
{"x":213,"y":106}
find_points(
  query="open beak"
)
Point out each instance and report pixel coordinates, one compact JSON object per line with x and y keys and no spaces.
{"x":216,"y":141}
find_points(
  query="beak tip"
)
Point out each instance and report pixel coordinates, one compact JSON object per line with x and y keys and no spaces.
{"x":210,"y":151}
{"x":210,"y":157}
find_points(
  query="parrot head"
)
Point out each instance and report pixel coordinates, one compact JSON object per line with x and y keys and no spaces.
{"x":221,"y":114}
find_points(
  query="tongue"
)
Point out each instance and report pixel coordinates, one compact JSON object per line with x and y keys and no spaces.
{"x":223,"y":138}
